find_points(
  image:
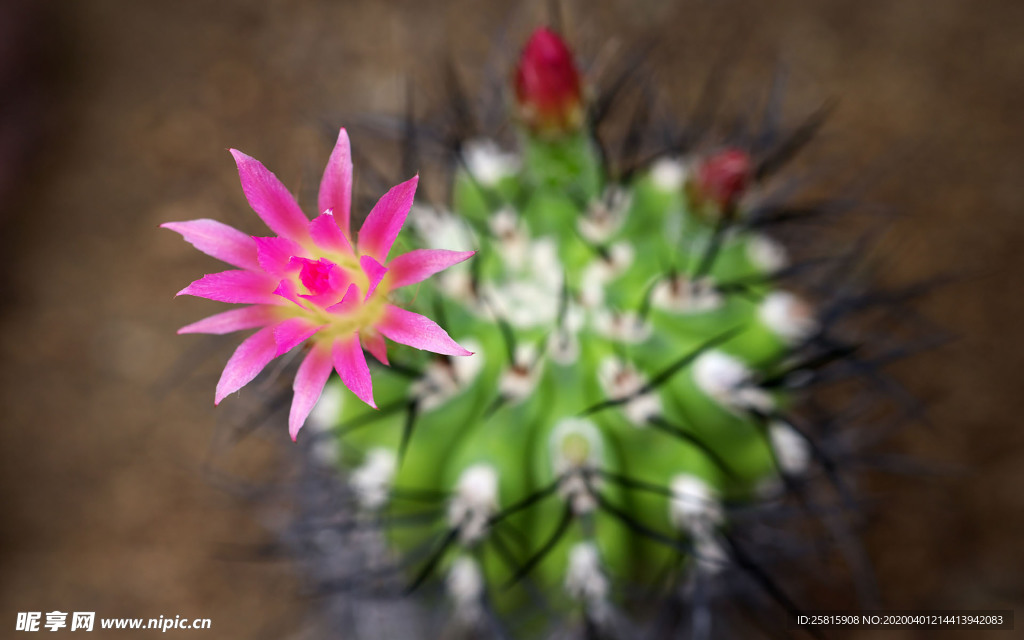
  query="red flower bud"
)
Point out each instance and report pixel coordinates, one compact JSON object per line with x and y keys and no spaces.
{"x":724,"y":177}
{"x":547,"y":85}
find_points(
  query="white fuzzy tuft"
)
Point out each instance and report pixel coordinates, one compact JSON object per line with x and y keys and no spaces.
{"x":719,"y":374}
{"x":643,"y":409}
{"x":604,"y":217}
{"x":564,"y":347}
{"x":620,"y":257}
{"x":474,"y":502}
{"x":681,"y":295}
{"x":600,"y":272}
{"x":486,"y":161}
{"x":531,"y":297}
{"x":523,"y":303}
{"x":591,"y":289}
{"x":791,"y":449}
{"x":696,"y":510}
{"x":621,"y":326}
{"x":619,"y":380}
{"x":788,"y":316}
{"x":519,"y":381}
{"x":766,"y":254}
{"x":694,"y":506}
{"x":513,"y":237}
{"x":668,"y":174}
{"x":465,"y":584}
{"x":584,"y":579}
{"x":371,"y":481}
{"x":441,"y":229}
{"x":545,"y":265}
{"x":728,"y":381}
{"x":604,"y":270}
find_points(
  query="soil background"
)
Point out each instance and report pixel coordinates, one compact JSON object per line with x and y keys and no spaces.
{"x":115,"y":117}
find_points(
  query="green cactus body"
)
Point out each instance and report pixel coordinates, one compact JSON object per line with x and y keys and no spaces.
{"x":608,"y":363}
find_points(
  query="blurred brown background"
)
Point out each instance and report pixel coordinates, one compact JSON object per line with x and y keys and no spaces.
{"x":116,"y":117}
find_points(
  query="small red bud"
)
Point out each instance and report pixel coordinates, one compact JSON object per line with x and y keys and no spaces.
{"x":724,"y":177}
{"x":547,"y":85}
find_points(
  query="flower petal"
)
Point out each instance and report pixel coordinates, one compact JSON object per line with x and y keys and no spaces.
{"x":275,"y":254}
{"x":218,"y":240}
{"x":327,"y":235}
{"x":320,"y":276}
{"x":351,"y":365}
{"x":417,"y":331}
{"x":308,"y":385}
{"x":293,"y":332}
{"x":374,"y":273}
{"x":386,"y":218}
{"x":327,"y":291}
{"x":336,"y":184}
{"x":270,"y":199}
{"x":288,"y":290}
{"x":245,"y":287}
{"x":231,"y":321}
{"x":375,"y":344}
{"x":249,"y":359}
{"x":348,"y":302}
{"x":418,"y":265}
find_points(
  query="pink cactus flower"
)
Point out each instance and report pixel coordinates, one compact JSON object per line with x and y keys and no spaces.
{"x":313,"y":282}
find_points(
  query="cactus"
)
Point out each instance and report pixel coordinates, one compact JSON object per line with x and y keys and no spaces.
{"x":611,"y":409}
{"x":632,"y":383}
